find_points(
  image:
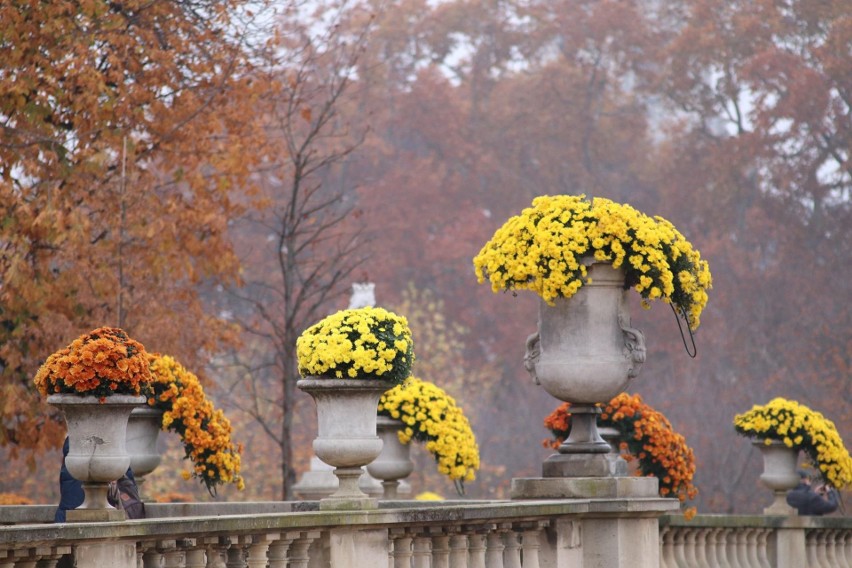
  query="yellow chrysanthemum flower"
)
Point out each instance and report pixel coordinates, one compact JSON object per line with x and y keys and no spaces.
{"x":801,"y":428}
{"x":363,"y":343}
{"x":433,"y":417}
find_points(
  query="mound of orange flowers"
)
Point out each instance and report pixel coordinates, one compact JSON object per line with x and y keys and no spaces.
{"x":205,"y":431}
{"x":103,"y":362}
{"x":645,"y":435}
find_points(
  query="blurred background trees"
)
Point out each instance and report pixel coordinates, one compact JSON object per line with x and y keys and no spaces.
{"x":732,"y":120}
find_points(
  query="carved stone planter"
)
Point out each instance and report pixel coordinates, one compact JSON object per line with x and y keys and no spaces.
{"x":97,"y":434}
{"x":143,"y":432}
{"x":585,"y":352}
{"x":779,"y":474}
{"x":394,"y":462}
{"x":347,"y":440}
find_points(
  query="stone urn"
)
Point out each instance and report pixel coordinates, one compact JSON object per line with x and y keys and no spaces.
{"x":346,"y":434}
{"x":97,"y":441}
{"x":143,"y":433}
{"x":585,"y":352}
{"x":394,"y":462}
{"x":779,"y":474}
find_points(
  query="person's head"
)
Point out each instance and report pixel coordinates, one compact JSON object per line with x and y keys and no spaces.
{"x":804,"y":477}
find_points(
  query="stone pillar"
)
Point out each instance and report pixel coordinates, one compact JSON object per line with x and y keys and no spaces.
{"x":788,"y":548}
{"x":358,"y":548}
{"x":113,"y":554}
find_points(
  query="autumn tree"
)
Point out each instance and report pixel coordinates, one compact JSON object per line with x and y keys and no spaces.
{"x":124,"y":129}
{"x":298,"y":254}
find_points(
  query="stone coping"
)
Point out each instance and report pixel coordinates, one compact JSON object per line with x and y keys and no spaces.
{"x":220,"y":523}
{"x":757,"y":521}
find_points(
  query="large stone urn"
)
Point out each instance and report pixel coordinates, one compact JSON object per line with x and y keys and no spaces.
{"x":97,"y":435}
{"x":394,"y":462}
{"x":779,"y":474}
{"x":346,"y":434}
{"x":585,"y":352}
{"x":143,"y":433}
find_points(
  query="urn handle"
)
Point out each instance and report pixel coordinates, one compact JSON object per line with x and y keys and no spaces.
{"x":532,"y":354}
{"x":634,"y":343}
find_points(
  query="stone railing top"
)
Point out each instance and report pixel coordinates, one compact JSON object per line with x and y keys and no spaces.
{"x":753,"y":521}
{"x":244,"y":518}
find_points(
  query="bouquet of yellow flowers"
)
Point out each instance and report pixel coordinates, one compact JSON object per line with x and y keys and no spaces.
{"x":100,"y":363}
{"x":801,"y":428}
{"x":430,"y":415}
{"x":547,"y":247}
{"x":204,"y":430}
{"x":644,"y":434}
{"x":362,"y":343}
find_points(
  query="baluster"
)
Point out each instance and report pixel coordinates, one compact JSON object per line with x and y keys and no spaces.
{"x":763,"y":548}
{"x":710,"y":548}
{"x":278,"y":552}
{"x":666,"y":548}
{"x":689,"y":540}
{"x":476,"y":550}
{"x":257,"y":552}
{"x":751,"y":544}
{"x":729,"y":548}
{"x":300,"y":549}
{"x":844,"y":549}
{"x":511,"y":550}
{"x":401,"y":548}
{"x":822,"y":550}
{"x":810,"y":549}
{"x":458,"y":551}
{"x":830,"y":547}
{"x":530,"y":547}
{"x":494,"y":549}
{"x":701,"y":536}
{"x":236,"y":553}
{"x":217,"y":550}
{"x":422,"y":551}
{"x":151,"y":557}
{"x":172,"y":557}
{"x":441,"y":551}
{"x":196,"y":558}
{"x":679,"y":546}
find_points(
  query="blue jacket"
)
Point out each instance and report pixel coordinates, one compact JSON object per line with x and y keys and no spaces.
{"x":71,"y":494}
{"x":809,"y":502}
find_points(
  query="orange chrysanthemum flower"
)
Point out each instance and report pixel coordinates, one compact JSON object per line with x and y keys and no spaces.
{"x":100,"y":363}
{"x":205,"y":431}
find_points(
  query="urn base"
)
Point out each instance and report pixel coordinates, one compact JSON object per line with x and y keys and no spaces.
{"x":584,"y":465}
{"x":583,"y":487}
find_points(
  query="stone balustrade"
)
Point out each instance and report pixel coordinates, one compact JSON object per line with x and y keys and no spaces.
{"x":756,"y":541}
{"x":401,"y":534}
{"x":411,"y":534}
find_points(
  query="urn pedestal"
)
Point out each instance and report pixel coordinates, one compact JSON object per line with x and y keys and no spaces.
{"x":779,"y":474}
{"x":394,"y":461}
{"x":585,"y":353}
{"x":97,"y":435}
{"x":346,"y":434}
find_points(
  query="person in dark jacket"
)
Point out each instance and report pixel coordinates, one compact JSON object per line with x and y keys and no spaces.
{"x":71,"y":494}
{"x":808,"y":500}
